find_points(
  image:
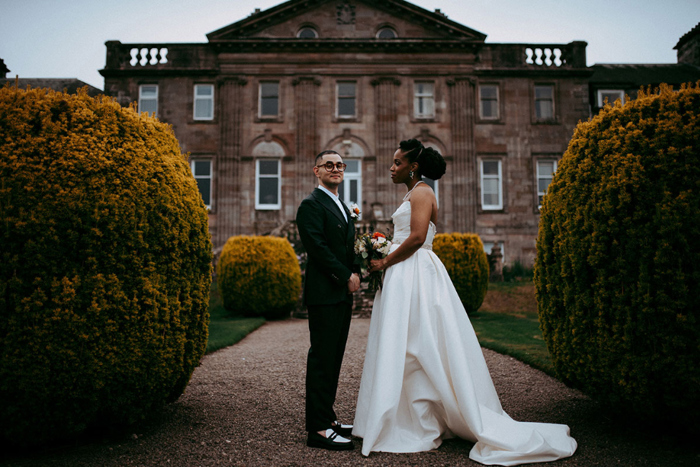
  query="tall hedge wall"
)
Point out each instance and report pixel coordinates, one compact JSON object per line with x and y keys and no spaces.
{"x":105,"y":265}
{"x":259,"y":276}
{"x":465,"y":260}
{"x":618,"y":263}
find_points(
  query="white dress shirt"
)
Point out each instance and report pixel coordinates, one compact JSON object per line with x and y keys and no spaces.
{"x":335,"y":198}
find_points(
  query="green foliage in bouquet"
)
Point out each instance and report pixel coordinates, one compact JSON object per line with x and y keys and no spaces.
{"x":618,"y":257}
{"x":105,"y":265}
{"x":259,"y":276}
{"x":465,"y":260}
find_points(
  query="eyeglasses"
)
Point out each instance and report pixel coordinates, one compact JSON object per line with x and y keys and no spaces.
{"x":329,"y":166}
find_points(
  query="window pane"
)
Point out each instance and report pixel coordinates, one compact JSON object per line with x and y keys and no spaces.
{"x":307,"y":33}
{"x":204,"y":185}
{"x":149,"y":91}
{"x":489,"y":109}
{"x":543,"y":92}
{"x":490,"y":167}
{"x":148,"y":105}
{"x":489,"y":92}
{"x":491,"y":199}
{"x":268,"y":192}
{"x":353,"y":191}
{"x":544,"y":109}
{"x":269,"y":89}
{"x":545,"y":168}
{"x":346,"y":106}
{"x":542,"y":184}
{"x":353,"y":166}
{"x":491,"y":186}
{"x":202,"y":168}
{"x":430,"y":182}
{"x":268,"y":167}
{"x":203,"y":108}
{"x":346,"y":89}
{"x":269,"y":106}
{"x":204,"y":90}
{"x":386,"y":33}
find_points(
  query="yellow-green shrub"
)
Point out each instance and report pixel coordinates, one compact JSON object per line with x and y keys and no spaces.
{"x":465,"y":260}
{"x":259,"y":276}
{"x":618,"y":256}
{"x":105,"y":265}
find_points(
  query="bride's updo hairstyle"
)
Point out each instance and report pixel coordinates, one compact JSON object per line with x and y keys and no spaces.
{"x":430,"y":163}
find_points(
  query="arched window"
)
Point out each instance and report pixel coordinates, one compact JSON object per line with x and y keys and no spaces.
{"x":386,"y":33}
{"x":307,"y":32}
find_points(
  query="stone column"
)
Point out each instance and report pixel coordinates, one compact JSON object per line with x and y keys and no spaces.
{"x":307,"y":146}
{"x":462,"y":116}
{"x":386,"y":140}
{"x":228,"y":183}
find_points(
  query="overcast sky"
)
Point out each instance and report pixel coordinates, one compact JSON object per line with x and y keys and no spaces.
{"x":65,"y":38}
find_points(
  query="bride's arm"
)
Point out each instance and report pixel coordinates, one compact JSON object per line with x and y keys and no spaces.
{"x":421,"y":212}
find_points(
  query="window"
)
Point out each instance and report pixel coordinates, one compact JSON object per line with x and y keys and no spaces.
{"x":545,"y":174}
{"x":386,"y":33}
{"x":307,"y":33}
{"x":203,"y":101}
{"x":424,"y":99}
{"x":488,"y":98}
{"x":269,"y":99}
{"x":434,"y":185}
{"x":350,"y":189}
{"x":148,"y":98}
{"x":347,"y":92}
{"x":544,"y":102}
{"x":201,"y":169}
{"x":491,"y":185}
{"x":611,"y":95}
{"x":268,"y":184}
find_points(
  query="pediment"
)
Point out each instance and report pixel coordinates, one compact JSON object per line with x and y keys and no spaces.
{"x":346,"y":20}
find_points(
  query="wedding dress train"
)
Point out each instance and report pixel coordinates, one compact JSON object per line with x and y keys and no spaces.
{"x":425,"y":378}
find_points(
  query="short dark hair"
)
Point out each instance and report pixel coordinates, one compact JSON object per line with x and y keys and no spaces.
{"x":320,"y":155}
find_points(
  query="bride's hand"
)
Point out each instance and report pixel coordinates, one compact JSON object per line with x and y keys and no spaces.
{"x":377,"y":265}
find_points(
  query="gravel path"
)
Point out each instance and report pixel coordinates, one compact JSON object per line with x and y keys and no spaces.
{"x":245,"y":407}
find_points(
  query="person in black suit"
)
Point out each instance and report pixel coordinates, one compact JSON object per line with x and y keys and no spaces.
{"x":327,"y":231}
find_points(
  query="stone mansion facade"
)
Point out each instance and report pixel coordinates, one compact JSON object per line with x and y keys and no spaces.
{"x":256,"y":103}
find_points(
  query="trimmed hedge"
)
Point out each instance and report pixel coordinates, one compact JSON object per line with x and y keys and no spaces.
{"x":259,"y":276}
{"x":105,"y":265}
{"x":618,"y":257}
{"x":465,"y":260}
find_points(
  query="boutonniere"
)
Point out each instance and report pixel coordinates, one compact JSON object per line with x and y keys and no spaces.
{"x":355,"y":211}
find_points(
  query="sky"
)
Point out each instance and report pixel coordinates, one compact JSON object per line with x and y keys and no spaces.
{"x":65,"y":38}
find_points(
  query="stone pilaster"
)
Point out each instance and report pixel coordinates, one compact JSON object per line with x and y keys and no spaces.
{"x":228,"y":183}
{"x":462,"y":117}
{"x":386,"y":140}
{"x":305,"y":111}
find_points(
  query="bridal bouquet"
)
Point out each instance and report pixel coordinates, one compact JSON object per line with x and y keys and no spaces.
{"x":367,"y":248}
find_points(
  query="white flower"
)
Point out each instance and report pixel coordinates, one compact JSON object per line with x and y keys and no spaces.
{"x":355,"y":211}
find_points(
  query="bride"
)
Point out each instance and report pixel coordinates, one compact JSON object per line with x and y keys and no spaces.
{"x":425,"y":378}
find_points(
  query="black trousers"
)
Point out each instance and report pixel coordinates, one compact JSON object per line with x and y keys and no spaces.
{"x":328,"y":327}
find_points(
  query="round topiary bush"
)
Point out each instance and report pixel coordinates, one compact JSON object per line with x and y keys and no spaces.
{"x":618,"y":257}
{"x":105,"y":265}
{"x":465,"y":260}
{"x":259,"y":276}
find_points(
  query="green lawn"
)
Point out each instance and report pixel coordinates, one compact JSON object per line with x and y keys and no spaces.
{"x":225,"y":330}
{"x":509,"y":324}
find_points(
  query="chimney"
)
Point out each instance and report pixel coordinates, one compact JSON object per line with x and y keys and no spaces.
{"x":3,"y":68}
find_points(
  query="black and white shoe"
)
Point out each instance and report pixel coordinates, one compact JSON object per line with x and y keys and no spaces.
{"x":332,"y":441}
{"x":342,"y":430}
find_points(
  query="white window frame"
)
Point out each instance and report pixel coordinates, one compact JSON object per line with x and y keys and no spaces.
{"x":260,"y":100}
{"x":542,"y":193}
{"x":498,"y":102}
{"x":554,"y":111}
{"x":203,"y":99}
{"x":258,"y":176}
{"x":338,"y":97}
{"x":420,"y":98}
{"x":209,"y":177}
{"x":620,"y":95}
{"x":499,"y":177}
{"x":348,"y":177}
{"x":141,"y":98}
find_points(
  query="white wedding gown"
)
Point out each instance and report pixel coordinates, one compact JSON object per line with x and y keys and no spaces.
{"x":425,"y":378}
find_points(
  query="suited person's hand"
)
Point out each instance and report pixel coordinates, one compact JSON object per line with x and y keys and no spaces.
{"x":353,"y":283}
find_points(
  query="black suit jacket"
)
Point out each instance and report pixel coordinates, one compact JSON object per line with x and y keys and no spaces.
{"x":329,"y":242}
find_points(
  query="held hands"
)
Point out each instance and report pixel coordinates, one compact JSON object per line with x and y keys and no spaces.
{"x":353,"y":283}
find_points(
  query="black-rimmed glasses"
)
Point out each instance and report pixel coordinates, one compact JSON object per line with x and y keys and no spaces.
{"x":329,"y":166}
